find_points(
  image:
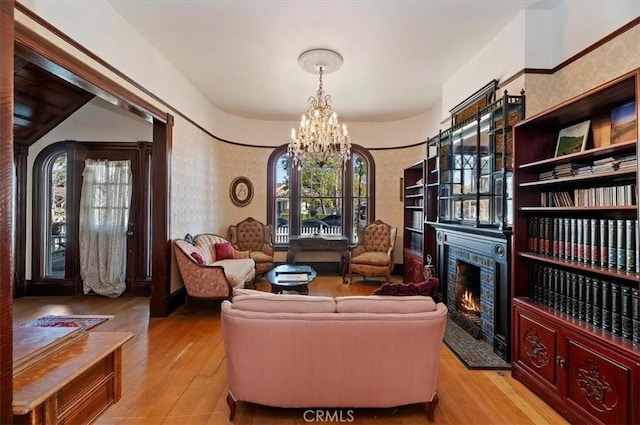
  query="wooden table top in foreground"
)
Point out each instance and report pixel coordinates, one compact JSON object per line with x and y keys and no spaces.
{"x":33,"y":385}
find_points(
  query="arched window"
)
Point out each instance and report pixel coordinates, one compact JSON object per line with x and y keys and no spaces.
{"x":326,"y":199}
{"x":51,"y":211}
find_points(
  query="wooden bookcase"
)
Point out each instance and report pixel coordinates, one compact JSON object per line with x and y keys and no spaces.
{"x":575,"y":280}
{"x":413,"y":226}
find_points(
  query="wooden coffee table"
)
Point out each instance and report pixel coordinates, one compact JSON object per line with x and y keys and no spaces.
{"x":291,"y":277}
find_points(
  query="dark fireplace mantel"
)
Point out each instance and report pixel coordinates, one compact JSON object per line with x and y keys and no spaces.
{"x":489,"y":251}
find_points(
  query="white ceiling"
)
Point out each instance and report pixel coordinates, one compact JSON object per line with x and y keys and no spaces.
{"x":242,"y":55}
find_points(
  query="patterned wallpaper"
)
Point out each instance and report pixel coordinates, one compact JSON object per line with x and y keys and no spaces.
{"x":607,"y":62}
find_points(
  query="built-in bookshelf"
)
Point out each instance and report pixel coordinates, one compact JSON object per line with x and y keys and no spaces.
{"x":413,"y":230}
{"x":575,"y":264}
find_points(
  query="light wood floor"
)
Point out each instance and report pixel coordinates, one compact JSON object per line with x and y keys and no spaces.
{"x":174,"y":370}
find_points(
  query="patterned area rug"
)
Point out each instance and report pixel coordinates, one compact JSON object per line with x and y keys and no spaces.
{"x":86,"y":322}
{"x":474,"y":353}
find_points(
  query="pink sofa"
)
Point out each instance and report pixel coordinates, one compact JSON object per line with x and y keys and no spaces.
{"x":321,"y":352}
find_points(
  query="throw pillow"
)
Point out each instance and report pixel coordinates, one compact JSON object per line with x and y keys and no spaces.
{"x":224,"y":251}
{"x":427,"y":287}
{"x":197,"y":257}
{"x":188,"y":238}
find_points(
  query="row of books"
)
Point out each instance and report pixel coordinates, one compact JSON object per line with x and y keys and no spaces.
{"x":415,"y":242}
{"x":602,"y":165}
{"x":611,"y":306}
{"x":591,"y":197}
{"x":417,"y":220}
{"x":606,"y":243}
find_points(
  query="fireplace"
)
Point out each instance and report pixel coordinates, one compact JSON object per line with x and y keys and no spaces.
{"x":474,"y":270}
{"x":466,"y":302}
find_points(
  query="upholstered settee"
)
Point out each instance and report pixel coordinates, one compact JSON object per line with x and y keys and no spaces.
{"x":255,"y":237}
{"x":210,"y":267}
{"x":324,"y":352}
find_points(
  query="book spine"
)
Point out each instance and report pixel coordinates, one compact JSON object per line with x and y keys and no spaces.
{"x":612,"y":262}
{"x":606,"y":305}
{"x":574,"y":239}
{"x":630,"y":246}
{"x":595,"y":248}
{"x":580,"y":240}
{"x":586,"y":241}
{"x":547,"y":236}
{"x":546,"y":290}
{"x":604,"y":247}
{"x":635,"y":314}
{"x":616,"y":308}
{"x":567,"y":238}
{"x":626,"y":312}
{"x":531,"y":221}
{"x":554,"y":237}
{"x":562,"y":284}
{"x":573,"y":293}
{"x":620,"y":245}
{"x":557,"y":291}
{"x":560,"y":237}
{"x":588,"y":299}
{"x":596,"y":299}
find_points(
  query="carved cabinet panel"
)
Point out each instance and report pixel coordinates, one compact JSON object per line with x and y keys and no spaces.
{"x":598,"y":385}
{"x":576,"y":371}
{"x":538,"y":349}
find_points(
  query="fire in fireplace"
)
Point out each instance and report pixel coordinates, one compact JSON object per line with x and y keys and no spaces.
{"x":467,"y":298}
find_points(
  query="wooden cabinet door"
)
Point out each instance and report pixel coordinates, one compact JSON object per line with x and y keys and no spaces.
{"x":599,"y":384}
{"x":535,"y":349}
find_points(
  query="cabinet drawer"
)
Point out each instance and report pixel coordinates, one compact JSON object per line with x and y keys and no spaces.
{"x":536,"y":348}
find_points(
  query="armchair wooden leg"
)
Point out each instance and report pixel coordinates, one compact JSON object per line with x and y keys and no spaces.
{"x":430,"y":407}
{"x":231,"y":402}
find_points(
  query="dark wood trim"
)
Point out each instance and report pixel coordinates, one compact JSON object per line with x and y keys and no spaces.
{"x":510,"y":79}
{"x":20,"y":158}
{"x":161,"y":243}
{"x":48,"y":56}
{"x":7,"y":198}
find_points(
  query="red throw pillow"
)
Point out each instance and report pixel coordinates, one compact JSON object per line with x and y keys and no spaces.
{"x":427,"y":288}
{"x":224,"y":251}
{"x":197,"y":257}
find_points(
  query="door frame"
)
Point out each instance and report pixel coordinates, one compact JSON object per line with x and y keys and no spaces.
{"x":38,"y":50}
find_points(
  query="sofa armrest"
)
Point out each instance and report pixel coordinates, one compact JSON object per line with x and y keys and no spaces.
{"x":201,"y":280}
{"x":267,"y":248}
{"x":357,"y":250}
{"x":237,"y":253}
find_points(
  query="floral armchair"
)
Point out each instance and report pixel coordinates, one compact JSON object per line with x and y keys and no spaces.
{"x":373,"y":256}
{"x":255,"y":237}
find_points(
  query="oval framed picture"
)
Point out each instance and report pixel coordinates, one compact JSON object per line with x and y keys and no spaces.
{"x":241,"y":191}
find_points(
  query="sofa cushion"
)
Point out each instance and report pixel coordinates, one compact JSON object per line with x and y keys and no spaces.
{"x":427,"y":288}
{"x":384,"y":304}
{"x":237,"y":270}
{"x":282,"y":303}
{"x":224,"y":251}
{"x":372,"y":258}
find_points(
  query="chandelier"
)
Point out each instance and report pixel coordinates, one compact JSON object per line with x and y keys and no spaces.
{"x":320,"y":137}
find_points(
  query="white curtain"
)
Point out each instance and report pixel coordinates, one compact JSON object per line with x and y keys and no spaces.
{"x":104,"y":215}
